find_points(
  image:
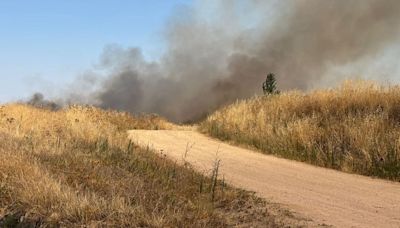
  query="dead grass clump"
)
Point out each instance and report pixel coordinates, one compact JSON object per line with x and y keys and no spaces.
{"x":354,"y":128}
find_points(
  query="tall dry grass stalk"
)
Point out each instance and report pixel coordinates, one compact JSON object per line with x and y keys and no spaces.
{"x":354,"y":128}
{"x":76,"y":167}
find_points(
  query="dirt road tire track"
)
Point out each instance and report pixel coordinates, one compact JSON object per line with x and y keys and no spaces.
{"x":323,"y":195}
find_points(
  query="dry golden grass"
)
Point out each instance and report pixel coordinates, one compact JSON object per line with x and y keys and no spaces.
{"x":75,"y":167}
{"x":354,"y":128}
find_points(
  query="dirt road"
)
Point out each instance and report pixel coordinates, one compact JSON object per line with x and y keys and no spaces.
{"x":323,"y":195}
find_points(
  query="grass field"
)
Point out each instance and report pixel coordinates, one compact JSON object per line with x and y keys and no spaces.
{"x":353,"y":128}
{"x":76,"y":167}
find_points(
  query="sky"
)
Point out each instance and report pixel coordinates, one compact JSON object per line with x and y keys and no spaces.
{"x":47,"y":43}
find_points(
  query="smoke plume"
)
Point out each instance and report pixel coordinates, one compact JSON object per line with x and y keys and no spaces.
{"x":220,"y":51}
{"x":37,"y":100}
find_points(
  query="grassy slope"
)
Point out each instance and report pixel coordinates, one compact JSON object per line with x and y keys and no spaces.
{"x":75,"y":167}
{"x":354,"y":128}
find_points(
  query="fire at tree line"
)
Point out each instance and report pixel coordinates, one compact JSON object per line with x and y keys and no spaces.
{"x":269,"y":87}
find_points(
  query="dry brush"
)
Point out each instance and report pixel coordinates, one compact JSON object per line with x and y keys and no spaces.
{"x":353,"y":128}
{"x":75,"y":167}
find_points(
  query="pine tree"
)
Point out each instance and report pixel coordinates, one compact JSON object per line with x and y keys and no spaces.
{"x":269,"y":86}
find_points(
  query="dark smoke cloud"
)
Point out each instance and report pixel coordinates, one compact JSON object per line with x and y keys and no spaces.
{"x":37,"y":100}
{"x":220,"y":51}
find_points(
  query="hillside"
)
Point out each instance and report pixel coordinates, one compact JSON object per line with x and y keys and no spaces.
{"x":353,"y":128}
{"x":76,"y":167}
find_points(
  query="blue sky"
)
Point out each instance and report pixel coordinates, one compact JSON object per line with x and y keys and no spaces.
{"x":52,"y":41}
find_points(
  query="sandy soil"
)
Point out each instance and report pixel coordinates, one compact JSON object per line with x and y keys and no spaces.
{"x":323,"y":195}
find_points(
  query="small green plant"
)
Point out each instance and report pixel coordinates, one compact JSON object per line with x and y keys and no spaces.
{"x":269,"y":85}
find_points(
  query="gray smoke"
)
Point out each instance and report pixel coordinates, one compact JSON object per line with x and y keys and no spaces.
{"x":220,"y":51}
{"x":37,"y":100}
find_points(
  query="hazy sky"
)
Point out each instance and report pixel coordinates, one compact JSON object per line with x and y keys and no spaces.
{"x":49,"y":42}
